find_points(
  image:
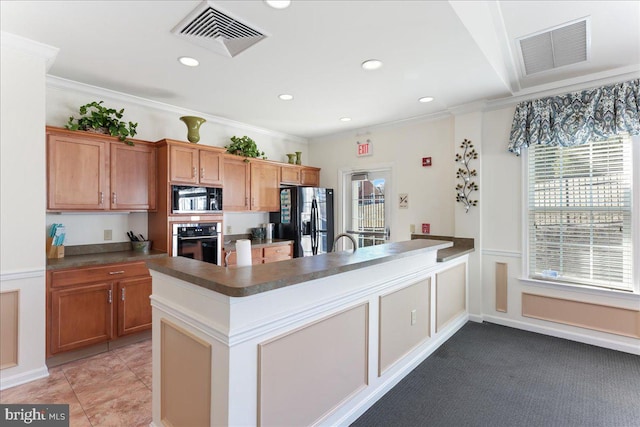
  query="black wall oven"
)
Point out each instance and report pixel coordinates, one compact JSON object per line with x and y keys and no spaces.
{"x":200,"y":241}
{"x":189,"y":199}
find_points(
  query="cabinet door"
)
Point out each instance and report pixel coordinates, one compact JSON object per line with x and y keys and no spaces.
{"x":211,"y":167}
{"x":133,"y":172}
{"x":183,"y":164}
{"x":310,"y":177}
{"x":265,"y":187}
{"x":134,"y":307}
{"x":81,"y":316}
{"x":77,"y":174}
{"x":290,"y":175}
{"x":236,"y":185}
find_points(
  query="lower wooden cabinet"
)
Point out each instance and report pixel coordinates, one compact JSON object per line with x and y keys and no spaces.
{"x":87,"y":306}
{"x":264,"y":254}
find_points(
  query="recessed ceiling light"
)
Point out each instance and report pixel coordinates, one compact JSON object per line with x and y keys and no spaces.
{"x":371,"y":64}
{"x":426,"y":99}
{"x":345,"y":119}
{"x":278,"y":4}
{"x":285,"y":97}
{"x":188,"y":61}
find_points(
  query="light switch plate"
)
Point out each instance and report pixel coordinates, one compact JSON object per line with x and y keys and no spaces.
{"x":108,"y":234}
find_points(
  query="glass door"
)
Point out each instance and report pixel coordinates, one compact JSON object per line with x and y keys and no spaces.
{"x":367,"y":216}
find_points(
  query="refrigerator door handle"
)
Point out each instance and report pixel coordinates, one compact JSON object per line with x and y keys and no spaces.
{"x":314,"y":227}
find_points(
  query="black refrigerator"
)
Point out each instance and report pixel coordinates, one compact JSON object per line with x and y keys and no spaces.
{"x":306,"y":217}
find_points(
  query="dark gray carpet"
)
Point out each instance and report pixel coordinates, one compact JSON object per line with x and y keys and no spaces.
{"x":490,"y":375}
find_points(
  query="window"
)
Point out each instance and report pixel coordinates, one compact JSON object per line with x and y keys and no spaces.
{"x":580,"y":214}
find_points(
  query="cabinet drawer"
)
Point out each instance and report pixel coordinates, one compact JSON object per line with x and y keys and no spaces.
{"x":96,"y":274}
{"x":277,"y":251}
{"x":256,"y":257}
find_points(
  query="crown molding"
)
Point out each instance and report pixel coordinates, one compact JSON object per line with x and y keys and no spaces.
{"x":30,"y":47}
{"x":60,"y":83}
{"x":365,"y":130}
{"x":567,"y":86}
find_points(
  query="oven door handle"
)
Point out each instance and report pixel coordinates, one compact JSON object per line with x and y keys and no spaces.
{"x":198,"y":237}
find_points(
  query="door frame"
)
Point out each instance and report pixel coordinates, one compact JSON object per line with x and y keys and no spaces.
{"x":341,"y":197}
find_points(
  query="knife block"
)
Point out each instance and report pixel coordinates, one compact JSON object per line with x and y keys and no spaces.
{"x":54,"y":251}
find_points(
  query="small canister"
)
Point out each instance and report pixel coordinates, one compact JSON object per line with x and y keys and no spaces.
{"x":269,"y":228}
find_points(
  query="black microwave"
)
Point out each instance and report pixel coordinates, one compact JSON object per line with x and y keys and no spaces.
{"x":188,"y":199}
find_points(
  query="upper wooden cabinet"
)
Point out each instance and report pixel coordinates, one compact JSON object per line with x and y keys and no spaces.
{"x":133,"y":177}
{"x":300,"y":175}
{"x":251,"y":186}
{"x":310,"y":177}
{"x":94,"y":172}
{"x":190,"y":165}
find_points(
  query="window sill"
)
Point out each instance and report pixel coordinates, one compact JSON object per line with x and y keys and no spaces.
{"x":582,"y":289}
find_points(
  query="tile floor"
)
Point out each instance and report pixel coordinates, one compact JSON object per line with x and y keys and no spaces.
{"x":109,"y":389}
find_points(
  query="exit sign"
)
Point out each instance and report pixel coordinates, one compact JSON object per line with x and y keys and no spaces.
{"x":364,"y":149}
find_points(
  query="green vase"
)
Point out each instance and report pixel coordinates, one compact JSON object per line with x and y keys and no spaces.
{"x":193,"y":127}
{"x":292,"y":158}
{"x":298,"y":157}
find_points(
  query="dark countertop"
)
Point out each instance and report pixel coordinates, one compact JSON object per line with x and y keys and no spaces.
{"x":245,"y":281}
{"x":101,"y":254}
{"x":461,"y":246}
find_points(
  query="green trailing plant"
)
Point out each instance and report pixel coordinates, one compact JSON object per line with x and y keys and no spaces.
{"x":96,"y":118}
{"x":244,"y":146}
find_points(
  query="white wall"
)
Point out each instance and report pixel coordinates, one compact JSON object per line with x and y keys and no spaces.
{"x":22,"y":197}
{"x":156,"y":121}
{"x":430,"y":189}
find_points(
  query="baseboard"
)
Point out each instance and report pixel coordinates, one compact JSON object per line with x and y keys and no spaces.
{"x":353,"y":414}
{"x":478,"y":318}
{"x":559,"y":333}
{"x":25,"y":377}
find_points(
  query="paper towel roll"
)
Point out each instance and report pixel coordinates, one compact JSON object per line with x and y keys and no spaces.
{"x":243,"y":248}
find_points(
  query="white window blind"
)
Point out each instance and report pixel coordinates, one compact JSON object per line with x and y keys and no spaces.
{"x":580,"y":213}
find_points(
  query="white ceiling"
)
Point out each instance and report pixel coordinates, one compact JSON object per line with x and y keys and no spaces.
{"x":460,"y":52}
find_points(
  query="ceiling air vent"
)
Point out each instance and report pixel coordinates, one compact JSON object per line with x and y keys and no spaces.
{"x":217,"y":31}
{"x":560,"y":46}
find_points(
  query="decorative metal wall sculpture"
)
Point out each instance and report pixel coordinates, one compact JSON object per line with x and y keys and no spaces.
{"x":465,"y":173}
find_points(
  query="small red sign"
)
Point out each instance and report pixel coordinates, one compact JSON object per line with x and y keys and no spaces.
{"x":364,"y":149}
{"x":426,"y":228}
{"x":426,"y":161}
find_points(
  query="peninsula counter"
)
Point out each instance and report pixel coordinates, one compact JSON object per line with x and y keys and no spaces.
{"x":308,"y":341}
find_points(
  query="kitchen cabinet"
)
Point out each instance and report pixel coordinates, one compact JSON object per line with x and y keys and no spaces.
{"x":95,"y":172}
{"x":236,"y":184}
{"x":306,"y":176}
{"x":264,"y":254}
{"x":195,"y":166}
{"x":133,"y":177}
{"x":93,"y":305}
{"x":265,"y":187}
{"x":290,"y":175}
{"x":251,"y":186}
{"x":310,"y":177}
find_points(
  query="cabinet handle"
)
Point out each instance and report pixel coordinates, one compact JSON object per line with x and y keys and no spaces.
{"x":116,"y":272}
{"x":113,"y":198}
{"x":101,"y":198}
{"x":201,"y":173}
{"x":122,"y":294}
{"x":110,"y":296}
{"x":193,"y":172}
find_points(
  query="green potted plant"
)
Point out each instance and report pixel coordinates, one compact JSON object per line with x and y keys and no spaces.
{"x":244,"y":146}
{"x":99,"y":119}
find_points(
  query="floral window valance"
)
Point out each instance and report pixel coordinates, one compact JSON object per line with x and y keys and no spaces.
{"x":578,"y":117}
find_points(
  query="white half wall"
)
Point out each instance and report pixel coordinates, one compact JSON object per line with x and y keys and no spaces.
{"x":22,"y":197}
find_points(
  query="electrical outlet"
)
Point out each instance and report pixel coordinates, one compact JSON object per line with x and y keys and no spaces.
{"x":108,"y":234}
{"x":228,"y":229}
{"x":412,"y":228}
{"x":413,"y":317}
